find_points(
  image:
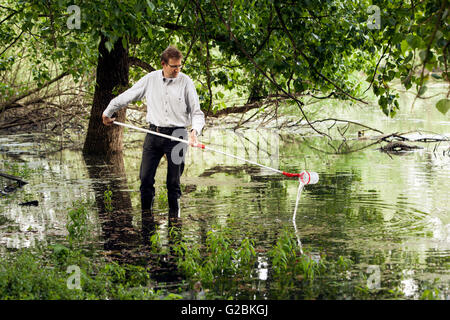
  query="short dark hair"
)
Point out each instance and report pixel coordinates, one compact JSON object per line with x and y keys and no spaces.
{"x":171,"y":52}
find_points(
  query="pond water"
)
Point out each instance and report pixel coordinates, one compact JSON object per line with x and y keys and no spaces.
{"x":389,"y":213}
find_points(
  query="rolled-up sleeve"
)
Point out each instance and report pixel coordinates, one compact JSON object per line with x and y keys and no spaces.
{"x":197,"y":115}
{"x":135,"y":93}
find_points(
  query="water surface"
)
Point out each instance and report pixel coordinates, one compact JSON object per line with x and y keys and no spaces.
{"x":388,"y":212}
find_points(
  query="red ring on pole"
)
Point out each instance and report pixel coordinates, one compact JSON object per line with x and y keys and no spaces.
{"x":298,"y":175}
{"x":309,"y":177}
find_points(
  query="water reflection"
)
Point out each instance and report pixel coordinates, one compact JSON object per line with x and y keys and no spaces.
{"x":121,"y":239}
{"x":113,"y":204}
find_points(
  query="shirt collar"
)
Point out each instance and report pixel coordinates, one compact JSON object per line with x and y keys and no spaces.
{"x":169,"y":80}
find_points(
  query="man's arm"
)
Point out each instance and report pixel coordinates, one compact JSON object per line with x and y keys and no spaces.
{"x":135,"y":93}
{"x":197,"y":115}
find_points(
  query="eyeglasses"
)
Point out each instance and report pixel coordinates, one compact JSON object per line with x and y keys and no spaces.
{"x":180,"y":66}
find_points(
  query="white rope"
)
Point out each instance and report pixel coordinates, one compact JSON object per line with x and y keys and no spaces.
{"x":299,"y":192}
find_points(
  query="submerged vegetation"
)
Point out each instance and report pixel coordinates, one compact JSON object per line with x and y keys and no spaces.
{"x":224,"y":268}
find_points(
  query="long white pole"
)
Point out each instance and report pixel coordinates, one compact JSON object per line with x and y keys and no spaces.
{"x":305,"y":176}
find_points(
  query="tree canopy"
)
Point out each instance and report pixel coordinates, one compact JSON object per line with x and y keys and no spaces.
{"x":257,"y":49}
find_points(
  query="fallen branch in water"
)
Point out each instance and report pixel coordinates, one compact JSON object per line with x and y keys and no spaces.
{"x":401,"y":137}
{"x":11,"y":177}
{"x":397,"y":146}
{"x":347,"y":121}
{"x":11,"y":187}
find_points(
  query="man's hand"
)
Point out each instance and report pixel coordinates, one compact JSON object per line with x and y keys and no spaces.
{"x":107,"y":121}
{"x":193,"y":138}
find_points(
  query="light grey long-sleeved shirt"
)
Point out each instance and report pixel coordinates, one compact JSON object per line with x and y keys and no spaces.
{"x":171,"y":102}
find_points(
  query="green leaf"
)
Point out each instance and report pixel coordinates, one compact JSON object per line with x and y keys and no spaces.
{"x":408,"y":57}
{"x":404,"y":46}
{"x":151,"y":5}
{"x":436,"y":76}
{"x":423,"y":55}
{"x":413,"y":41}
{"x":443,"y":105}
{"x":108,"y":46}
{"x":438,"y":35}
{"x":422,"y":90}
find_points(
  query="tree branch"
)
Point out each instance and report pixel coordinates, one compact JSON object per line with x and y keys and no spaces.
{"x":348,"y":121}
{"x":133,"y":61}
{"x":11,"y":15}
{"x":3,"y":106}
{"x":258,"y":67}
{"x":277,"y":10}
{"x":376,"y":67}
{"x":208,"y":59}
{"x":12,"y":43}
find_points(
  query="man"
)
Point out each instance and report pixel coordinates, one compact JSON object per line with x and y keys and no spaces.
{"x":172,"y":105}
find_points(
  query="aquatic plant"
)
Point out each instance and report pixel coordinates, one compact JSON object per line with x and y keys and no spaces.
{"x":430,"y":290}
{"x":221,"y":266}
{"x":40,"y":275}
{"x":77,"y":224}
{"x":162,"y":198}
{"x":21,"y":170}
{"x":430,"y":294}
{"x":293,"y":270}
{"x":107,"y":199}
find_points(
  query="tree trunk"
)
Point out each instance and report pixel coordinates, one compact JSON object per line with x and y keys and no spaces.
{"x":112,"y":73}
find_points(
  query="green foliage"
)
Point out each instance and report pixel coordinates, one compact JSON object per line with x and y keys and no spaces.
{"x":288,"y":261}
{"x":107,"y":199}
{"x":226,"y":268}
{"x":428,"y":294}
{"x":430,"y":291}
{"x":222,"y":267}
{"x":162,"y":198}
{"x":291,"y":267}
{"x":443,"y":105}
{"x":20,"y":170}
{"x":78,"y":221}
{"x":304,"y":47}
{"x":412,"y":37}
{"x":24,"y":278}
{"x":32,"y":276}
{"x":155,"y":242}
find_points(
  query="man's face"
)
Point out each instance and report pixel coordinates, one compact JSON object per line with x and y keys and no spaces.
{"x":172,"y":68}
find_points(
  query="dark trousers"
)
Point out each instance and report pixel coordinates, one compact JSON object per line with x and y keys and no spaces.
{"x":155,"y":148}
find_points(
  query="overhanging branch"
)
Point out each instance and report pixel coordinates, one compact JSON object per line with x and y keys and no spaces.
{"x":133,"y":61}
{"x":259,"y":68}
{"x":277,"y":10}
